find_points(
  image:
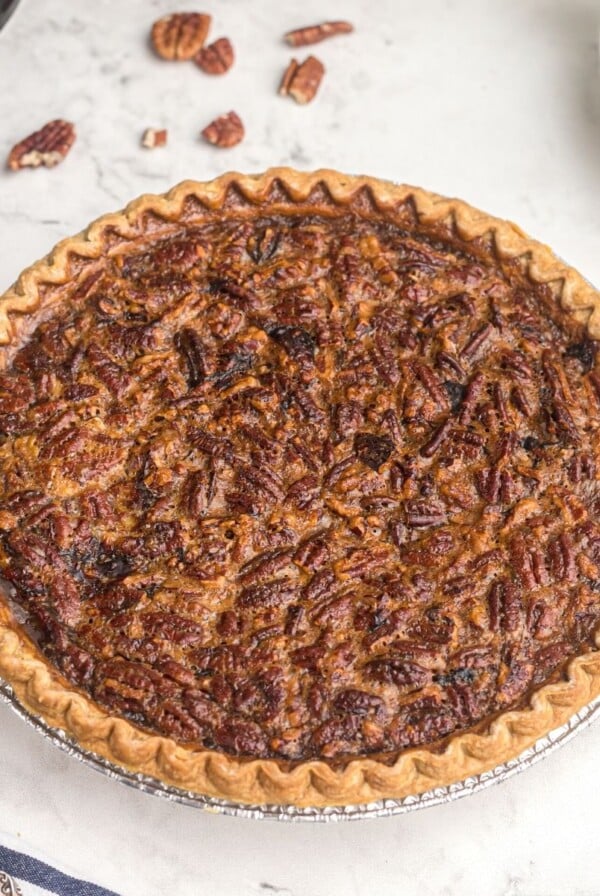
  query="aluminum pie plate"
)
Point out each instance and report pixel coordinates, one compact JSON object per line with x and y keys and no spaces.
{"x":382,"y":808}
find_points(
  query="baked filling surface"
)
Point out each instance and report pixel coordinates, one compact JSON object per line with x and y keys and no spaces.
{"x":304,"y":486}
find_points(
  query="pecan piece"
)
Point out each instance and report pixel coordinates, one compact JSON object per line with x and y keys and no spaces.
{"x":314,"y":34}
{"x":562,"y":558}
{"x":217,"y":58}
{"x":267,"y":594}
{"x":264,"y":566}
{"x":239,"y":736}
{"x":420,"y":514}
{"x":225,"y":131}
{"x":357,"y":702}
{"x":195,"y":496}
{"x":504,"y":606}
{"x":299,"y":344}
{"x":319,"y":586}
{"x":438,"y":437}
{"x":479,"y":338}
{"x":372,"y":450}
{"x":397,"y":671}
{"x":263,"y":244}
{"x":153,"y":137}
{"x":190,"y":347}
{"x":302,"y":80}
{"x":48,"y":146}
{"x":180,"y":35}
{"x":110,"y":374}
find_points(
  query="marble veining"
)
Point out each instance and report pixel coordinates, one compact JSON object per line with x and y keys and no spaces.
{"x":497,"y":103}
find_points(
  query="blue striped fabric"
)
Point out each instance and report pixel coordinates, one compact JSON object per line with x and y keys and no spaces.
{"x":25,"y":868}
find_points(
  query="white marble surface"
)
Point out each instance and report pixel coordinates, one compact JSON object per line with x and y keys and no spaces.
{"x":494,"y":101}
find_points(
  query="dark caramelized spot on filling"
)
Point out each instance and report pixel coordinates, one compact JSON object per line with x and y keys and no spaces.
{"x":304,"y":486}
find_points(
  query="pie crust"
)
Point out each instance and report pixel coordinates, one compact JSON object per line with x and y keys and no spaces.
{"x":45,"y":692}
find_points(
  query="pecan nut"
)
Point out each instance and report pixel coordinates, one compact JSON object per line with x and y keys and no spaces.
{"x":180,"y":35}
{"x":372,"y":450}
{"x":314,"y":34}
{"x":225,"y":131}
{"x":302,"y":80}
{"x":48,"y":146}
{"x":152,"y":138}
{"x":217,"y":58}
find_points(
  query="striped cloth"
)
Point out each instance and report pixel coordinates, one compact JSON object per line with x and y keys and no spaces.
{"x":22,"y":875}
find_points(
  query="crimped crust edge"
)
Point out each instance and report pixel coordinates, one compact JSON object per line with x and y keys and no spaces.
{"x":44,"y":692}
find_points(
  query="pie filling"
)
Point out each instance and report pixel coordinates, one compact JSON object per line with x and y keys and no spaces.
{"x":304,"y":486}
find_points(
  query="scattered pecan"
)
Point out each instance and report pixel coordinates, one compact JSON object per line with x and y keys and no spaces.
{"x":313,"y":34}
{"x":225,"y":131}
{"x":153,"y":137}
{"x":180,"y":35}
{"x":217,"y":58}
{"x":48,"y":146}
{"x":302,"y":80}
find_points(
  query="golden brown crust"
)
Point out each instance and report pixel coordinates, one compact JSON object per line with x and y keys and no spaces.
{"x":44,"y":691}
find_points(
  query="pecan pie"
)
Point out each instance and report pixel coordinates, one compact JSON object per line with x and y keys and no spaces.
{"x":299,"y":489}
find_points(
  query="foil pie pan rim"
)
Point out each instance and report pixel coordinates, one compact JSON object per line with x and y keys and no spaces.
{"x":380,"y":809}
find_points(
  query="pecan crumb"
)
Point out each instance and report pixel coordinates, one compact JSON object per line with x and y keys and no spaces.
{"x":217,"y":58}
{"x":48,"y":146}
{"x":152,"y":138}
{"x":225,"y":131}
{"x":314,"y":34}
{"x":302,"y":80}
{"x":180,"y":35}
